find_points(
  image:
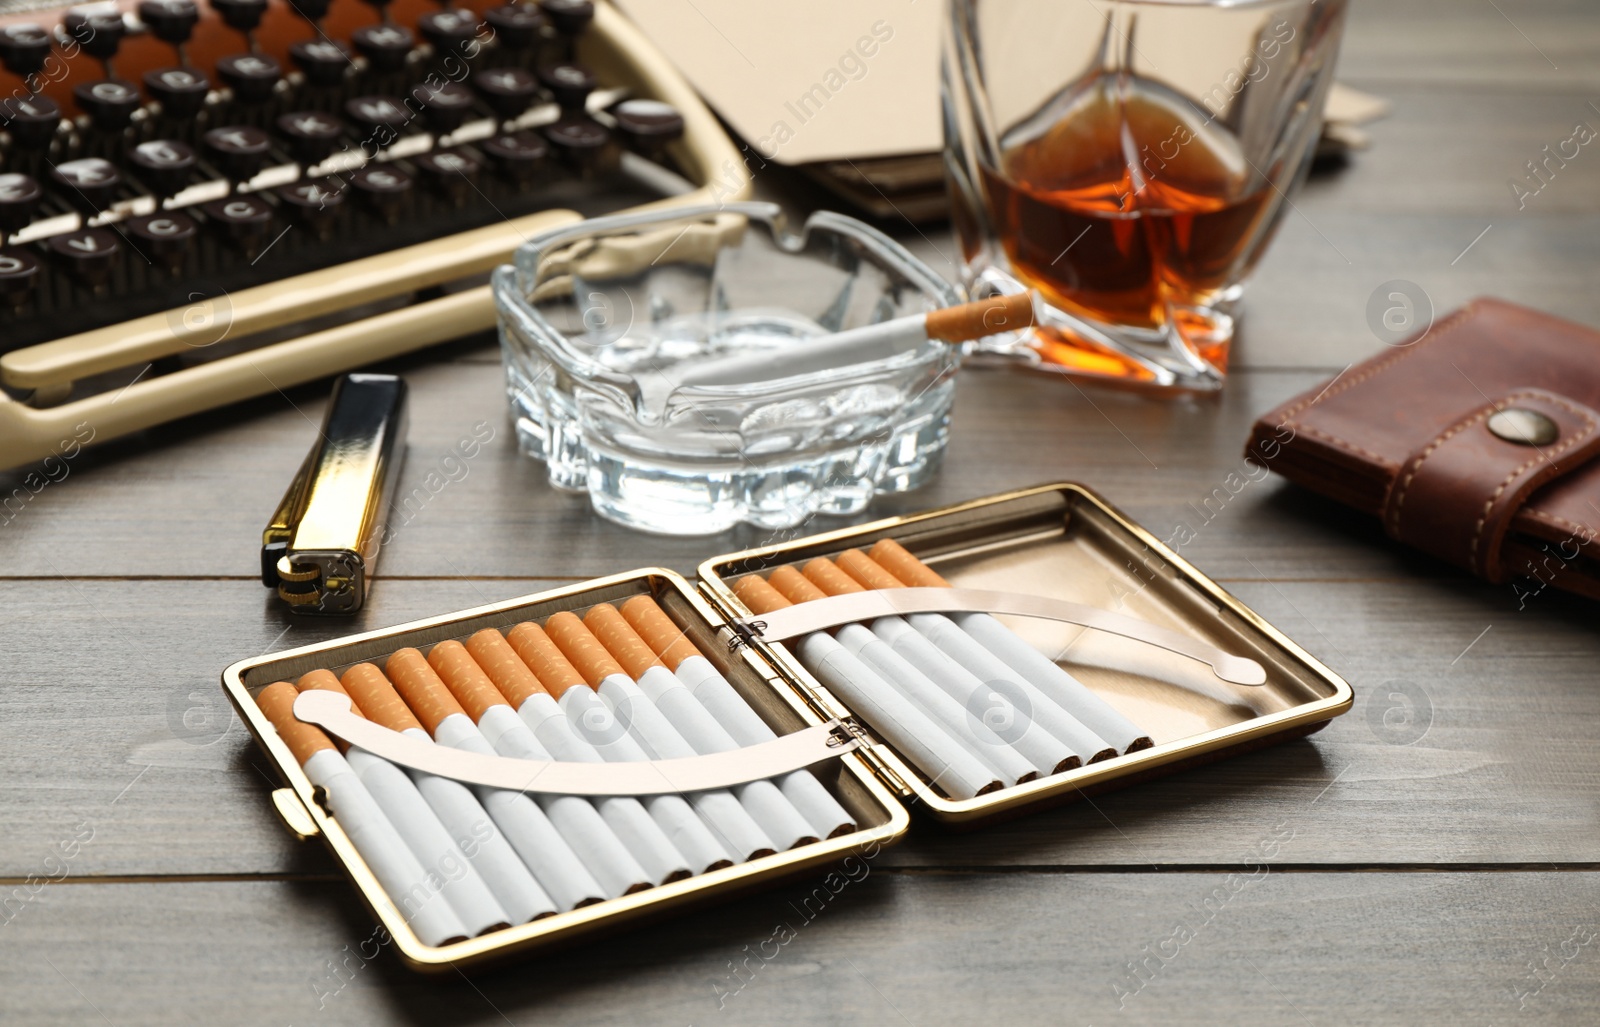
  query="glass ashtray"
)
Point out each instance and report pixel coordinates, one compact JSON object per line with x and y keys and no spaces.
{"x":605,"y":327}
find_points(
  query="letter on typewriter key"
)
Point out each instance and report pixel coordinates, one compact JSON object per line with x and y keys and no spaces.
{"x":164,"y":165}
{"x":110,"y":104}
{"x":311,"y":135}
{"x":243,"y":220}
{"x":507,"y":91}
{"x":516,"y":26}
{"x":24,"y":49}
{"x":322,"y":61}
{"x":18,"y":274}
{"x":90,"y":184}
{"x":19,"y":199}
{"x":570,"y":85}
{"x":385,"y":47}
{"x":89,"y":253}
{"x":451,"y":172}
{"x":444,"y":106}
{"x":171,"y":21}
{"x":165,"y":237}
{"x":31,"y":120}
{"x":385,"y":187}
{"x":518,"y":156}
{"x":314,"y":203}
{"x":251,"y":76}
{"x":378,"y":120}
{"x":180,"y":91}
{"x":238,"y":151}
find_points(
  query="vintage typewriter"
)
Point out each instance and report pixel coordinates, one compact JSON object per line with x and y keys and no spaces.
{"x":206,"y":200}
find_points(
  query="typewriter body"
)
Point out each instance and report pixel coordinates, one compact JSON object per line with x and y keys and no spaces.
{"x":205,"y":200}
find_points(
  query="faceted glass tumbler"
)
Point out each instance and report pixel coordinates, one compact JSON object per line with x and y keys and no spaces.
{"x":597,"y":322}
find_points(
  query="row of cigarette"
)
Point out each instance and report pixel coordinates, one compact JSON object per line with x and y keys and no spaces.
{"x":459,"y":861}
{"x":971,"y":704}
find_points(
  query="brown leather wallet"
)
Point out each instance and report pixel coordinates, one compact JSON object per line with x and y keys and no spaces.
{"x":1474,"y":441}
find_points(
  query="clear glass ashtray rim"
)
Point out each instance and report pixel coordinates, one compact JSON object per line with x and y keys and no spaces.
{"x":512,"y":284}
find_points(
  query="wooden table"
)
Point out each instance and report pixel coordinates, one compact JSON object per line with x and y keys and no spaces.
{"x":1438,"y":844}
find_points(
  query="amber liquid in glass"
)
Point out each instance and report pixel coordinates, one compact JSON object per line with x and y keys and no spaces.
{"x":1127,"y":208}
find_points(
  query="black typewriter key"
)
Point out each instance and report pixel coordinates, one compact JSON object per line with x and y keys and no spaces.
{"x":165,"y":165}
{"x":90,"y":253}
{"x":646,"y":126}
{"x":451,"y":172}
{"x":19,"y":273}
{"x":311,"y":135}
{"x":24,"y":49}
{"x":384,"y":187}
{"x":171,"y":21}
{"x":31,"y":120}
{"x":110,"y":104}
{"x":180,"y":91}
{"x":322,"y":61}
{"x":89,"y":184}
{"x":516,"y":155}
{"x":517,"y":26}
{"x":99,"y":33}
{"x":19,"y":199}
{"x":243,"y":220}
{"x":448,"y":29}
{"x":311,"y":10}
{"x":581,"y":143}
{"x":445,"y":106}
{"x":570,"y":17}
{"x":165,"y":237}
{"x":251,"y":76}
{"x":314,"y":202}
{"x":385,"y":47}
{"x":378,"y":119}
{"x":507,"y":91}
{"x":238,"y":151}
{"x":569,"y":84}
{"x":241,"y":15}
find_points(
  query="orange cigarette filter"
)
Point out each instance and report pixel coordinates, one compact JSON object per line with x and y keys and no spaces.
{"x":794,"y":586}
{"x":377,"y":698}
{"x":544,"y":658}
{"x":304,"y":740}
{"x":494,"y":655}
{"x":659,"y":631}
{"x":580,"y":646}
{"x":328,"y":681}
{"x":421,"y":688}
{"x":759,"y":596}
{"x":861,"y":567}
{"x":826,"y":575}
{"x":466,"y":680}
{"x":897,"y":559}
{"x":980,"y":318}
{"x":619,"y":638}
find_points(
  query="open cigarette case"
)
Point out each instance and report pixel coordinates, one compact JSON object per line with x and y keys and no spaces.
{"x":1059,"y":542}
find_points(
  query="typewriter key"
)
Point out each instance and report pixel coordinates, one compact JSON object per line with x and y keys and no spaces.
{"x":19,"y":272}
{"x":89,"y":253}
{"x":241,"y":15}
{"x":579,"y":142}
{"x":23,"y":49}
{"x":164,"y":165}
{"x":383,"y":186}
{"x":165,"y":237}
{"x":646,"y":126}
{"x":238,"y":151}
{"x":507,"y":91}
{"x":242,"y":220}
{"x":449,"y":29}
{"x":385,"y":47}
{"x":322,"y":61}
{"x":19,"y":199}
{"x":31,"y":120}
{"x":570,"y":17}
{"x":98,"y":32}
{"x":311,"y":135}
{"x":180,"y":91}
{"x":516,"y":26}
{"x":377,"y":119}
{"x":570,"y":85}
{"x":445,"y":106}
{"x":314,"y":203}
{"x":89,"y":183}
{"x":171,"y":21}
{"x":518,"y":155}
{"x":452,"y":172}
{"x":251,"y":76}
{"x":311,"y":10}
{"x":110,"y":104}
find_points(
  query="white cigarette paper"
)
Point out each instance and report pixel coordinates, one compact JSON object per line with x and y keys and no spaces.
{"x":383,"y":850}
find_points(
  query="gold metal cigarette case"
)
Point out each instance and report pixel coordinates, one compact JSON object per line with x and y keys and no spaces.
{"x":1060,"y":541}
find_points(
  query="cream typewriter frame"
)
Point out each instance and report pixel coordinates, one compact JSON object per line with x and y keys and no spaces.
{"x":618,"y":52}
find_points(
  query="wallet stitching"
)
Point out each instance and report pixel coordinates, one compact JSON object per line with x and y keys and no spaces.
{"x":1555,"y":520}
{"x":1586,"y":435}
{"x":1383,"y":461}
{"x":1416,"y":464}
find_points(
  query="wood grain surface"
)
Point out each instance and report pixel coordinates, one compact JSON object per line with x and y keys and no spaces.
{"x":1438,"y":855}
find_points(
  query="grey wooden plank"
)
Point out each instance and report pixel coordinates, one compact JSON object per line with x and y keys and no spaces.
{"x":1262,"y":947}
{"x":109,"y":715}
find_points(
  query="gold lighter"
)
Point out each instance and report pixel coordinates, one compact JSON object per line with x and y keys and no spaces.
{"x":320,"y":548}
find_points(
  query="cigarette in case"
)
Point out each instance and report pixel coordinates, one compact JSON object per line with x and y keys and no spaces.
{"x":964,"y":666}
{"x":412,"y":816}
{"x":875,"y":647}
{"x":631,"y":710}
{"x":549,"y":704}
{"x":1036,"y":668}
{"x":462,"y":814}
{"x":375,"y":838}
{"x":928,"y":745}
{"x":322,"y":544}
{"x":775,"y":814}
{"x":486,"y":704}
{"x":599,"y":851}
{"x":729,"y":709}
